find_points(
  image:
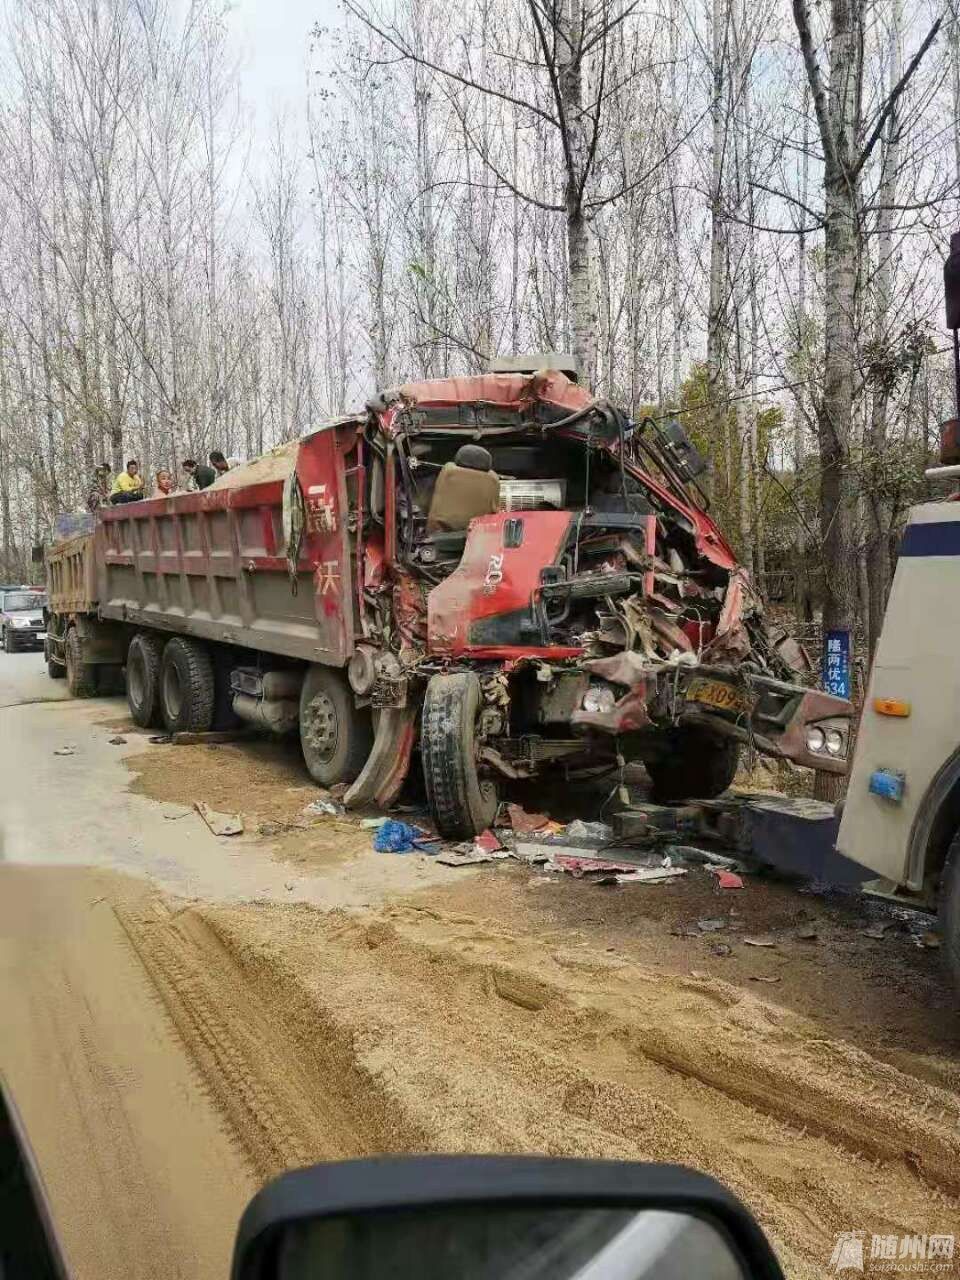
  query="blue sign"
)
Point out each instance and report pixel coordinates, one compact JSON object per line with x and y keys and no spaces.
{"x":836,"y":663}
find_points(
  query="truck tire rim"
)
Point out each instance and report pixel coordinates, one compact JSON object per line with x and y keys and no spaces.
{"x":321,"y":726}
{"x":172,"y":692}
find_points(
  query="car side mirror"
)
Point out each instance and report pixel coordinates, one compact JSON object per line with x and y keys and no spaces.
{"x":498,"y":1218}
{"x":684,"y":451}
{"x":28,"y":1242}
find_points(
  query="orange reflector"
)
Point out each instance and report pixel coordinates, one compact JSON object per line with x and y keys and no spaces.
{"x":891,"y":707}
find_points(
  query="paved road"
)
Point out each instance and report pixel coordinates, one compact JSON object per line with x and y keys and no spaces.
{"x":23,"y":678}
{"x":142,"y":1175}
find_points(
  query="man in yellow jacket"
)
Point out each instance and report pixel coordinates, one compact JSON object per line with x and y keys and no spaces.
{"x":128,"y":486}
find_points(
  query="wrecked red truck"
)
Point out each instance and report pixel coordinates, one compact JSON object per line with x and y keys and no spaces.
{"x":593,"y":616}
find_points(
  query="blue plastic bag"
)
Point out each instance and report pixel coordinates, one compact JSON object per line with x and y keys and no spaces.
{"x":394,"y":837}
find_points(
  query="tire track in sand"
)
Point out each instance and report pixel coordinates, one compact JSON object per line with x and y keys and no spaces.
{"x":341,"y":1035}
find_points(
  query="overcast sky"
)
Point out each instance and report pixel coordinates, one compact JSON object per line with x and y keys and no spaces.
{"x":273,"y":41}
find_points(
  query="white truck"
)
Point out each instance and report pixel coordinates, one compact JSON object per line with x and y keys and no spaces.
{"x":901,"y":816}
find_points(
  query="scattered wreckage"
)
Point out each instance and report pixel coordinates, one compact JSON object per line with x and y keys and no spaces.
{"x":597,"y":617}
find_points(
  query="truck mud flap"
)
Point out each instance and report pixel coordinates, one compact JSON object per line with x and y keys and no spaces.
{"x":388,"y":763}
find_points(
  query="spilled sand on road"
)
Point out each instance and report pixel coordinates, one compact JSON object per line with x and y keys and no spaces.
{"x":325,"y":1035}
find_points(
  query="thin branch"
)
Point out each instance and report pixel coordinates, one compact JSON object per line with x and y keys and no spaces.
{"x":801,"y":17}
{"x":894,"y":95}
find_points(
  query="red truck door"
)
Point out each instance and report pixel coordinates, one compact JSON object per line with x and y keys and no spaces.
{"x":325,"y":545}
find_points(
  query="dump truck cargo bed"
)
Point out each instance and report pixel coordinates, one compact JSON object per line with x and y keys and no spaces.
{"x":214,"y":565}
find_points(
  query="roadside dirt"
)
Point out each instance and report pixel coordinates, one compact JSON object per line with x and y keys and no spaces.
{"x":517,"y":1010}
{"x":424,"y":1028}
{"x":145,"y":1180}
{"x":265,"y":781}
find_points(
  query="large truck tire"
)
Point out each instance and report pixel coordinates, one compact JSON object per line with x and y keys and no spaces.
{"x":699,"y":766}
{"x":81,"y":675}
{"x":144,"y":658}
{"x":950,"y":910}
{"x":186,"y":686}
{"x":463,"y":804}
{"x":335,"y":734}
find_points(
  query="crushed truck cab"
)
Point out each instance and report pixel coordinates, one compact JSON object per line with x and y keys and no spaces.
{"x":597,"y":616}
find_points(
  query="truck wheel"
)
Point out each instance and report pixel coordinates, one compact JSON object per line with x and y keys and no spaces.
{"x":81,"y":676}
{"x":186,"y":686}
{"x":9,"y":644}
{"x":699,"y":766}
{"x":950,"y":909}
{"x":462,"y":802}
{"x":335,"y":734}
{"x":143,"y":679}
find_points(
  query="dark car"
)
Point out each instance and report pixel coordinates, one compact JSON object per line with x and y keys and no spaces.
{"x":22,"y":624}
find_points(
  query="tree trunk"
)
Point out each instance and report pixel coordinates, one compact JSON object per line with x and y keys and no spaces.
{"x":716,"y":306}
{"x":877,"y":549}
{"x":841,"y":263}
{"x":583,"y":302}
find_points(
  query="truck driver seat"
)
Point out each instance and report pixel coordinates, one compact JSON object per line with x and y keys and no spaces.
{"x":465,"y":488}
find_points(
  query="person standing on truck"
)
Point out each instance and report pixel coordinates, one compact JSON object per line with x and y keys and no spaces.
{"x":99,"y":493}
{"x":199,"y":475}
{"x":218,"y":462}
{"x":128,"y":486}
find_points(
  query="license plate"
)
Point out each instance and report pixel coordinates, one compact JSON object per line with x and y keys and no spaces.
{"x":720,"y":696}
{"x":41,"y":635}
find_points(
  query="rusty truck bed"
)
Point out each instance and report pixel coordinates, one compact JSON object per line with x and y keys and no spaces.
{"x":213,"y":564}
{"x":72,"y":576}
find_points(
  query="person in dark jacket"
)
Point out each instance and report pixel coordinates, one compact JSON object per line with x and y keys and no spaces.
{"x":199,"y":475}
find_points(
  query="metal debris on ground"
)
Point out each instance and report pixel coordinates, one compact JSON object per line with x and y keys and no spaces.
{"x":711,"y":925}
{"x":525,"y":823}
{"x":488,"y":842}
{"x":726,"y":879}
{"x":65,"y":751}
{"x":469,"y":855}
{"x":651,"y":875}
{"x":690,"y":853}
{"x":759,"y":977}
{"x":324,"y":808}
{"x":578,"y":867}
{"x":762,"y":941}
{"x":580,"y":830}
{"x":221,"y":824}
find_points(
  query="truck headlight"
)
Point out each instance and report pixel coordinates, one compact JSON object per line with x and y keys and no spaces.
{"x":599,"y":697}
{"x":20,"y":622}
{"x":816,"y":738}
{"x":827,"y":738}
